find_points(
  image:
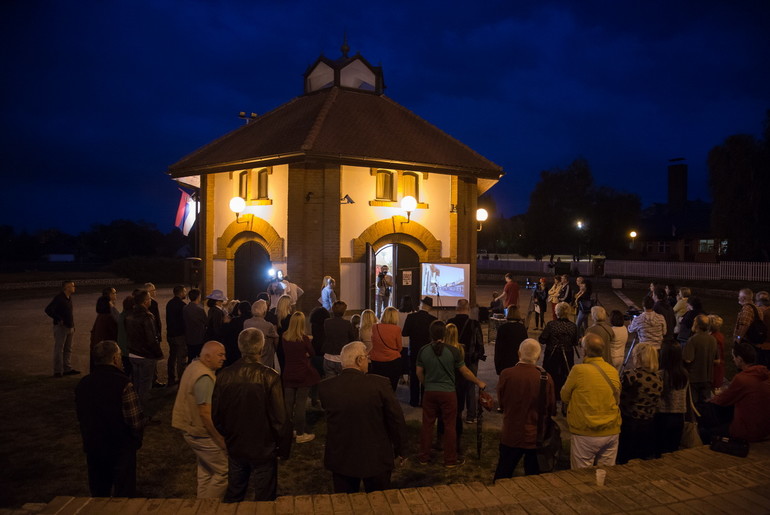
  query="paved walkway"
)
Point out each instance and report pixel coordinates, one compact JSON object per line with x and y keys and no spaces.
{"x":689,"y":481}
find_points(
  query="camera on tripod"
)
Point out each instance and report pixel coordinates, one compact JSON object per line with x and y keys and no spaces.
{"x":530,"y":285}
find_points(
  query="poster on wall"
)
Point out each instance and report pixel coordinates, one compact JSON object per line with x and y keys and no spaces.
{"x":406,"y":278}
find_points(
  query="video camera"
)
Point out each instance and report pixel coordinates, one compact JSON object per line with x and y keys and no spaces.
{"x":631,"y":314}
{"x":530,"y":285}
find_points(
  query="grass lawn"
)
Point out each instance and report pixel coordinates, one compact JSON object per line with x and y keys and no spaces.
{"x":42,"y":452}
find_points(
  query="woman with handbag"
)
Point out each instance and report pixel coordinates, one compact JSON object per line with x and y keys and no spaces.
{"x":386,"y":347}
{"x":673,"y":403}
{"x":639,"y":398}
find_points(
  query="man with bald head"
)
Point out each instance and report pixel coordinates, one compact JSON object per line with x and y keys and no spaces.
{"x":192,"y":415}
{"x":524,"y":402}
{"x":592,"y":390}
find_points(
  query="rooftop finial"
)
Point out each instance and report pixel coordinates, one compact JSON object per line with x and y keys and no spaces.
{"x":345,"y":48}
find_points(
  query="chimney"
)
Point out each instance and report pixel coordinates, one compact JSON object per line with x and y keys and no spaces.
{"x":677,"y":183}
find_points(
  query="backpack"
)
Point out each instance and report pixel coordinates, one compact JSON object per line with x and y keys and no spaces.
{"x":756,"y":334}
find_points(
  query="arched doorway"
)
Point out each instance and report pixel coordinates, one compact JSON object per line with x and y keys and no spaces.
{"x":252,"y":263}
{"x":404,"y":265}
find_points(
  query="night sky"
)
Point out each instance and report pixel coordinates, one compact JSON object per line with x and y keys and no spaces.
{"x":100,"y":97}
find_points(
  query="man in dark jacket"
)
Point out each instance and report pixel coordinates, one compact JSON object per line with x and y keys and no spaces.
{"x":194,"y":324}
{"x":366,"y":430}
{"x":143,"y":346}
{"x":111,"y":424}
{"x":249,"y":412}
{"x":60,"y":310}
{"x":417,"y":329}
{"x":472,"y":340}
{"x":177,"y":346}
{"x":338,"y":332}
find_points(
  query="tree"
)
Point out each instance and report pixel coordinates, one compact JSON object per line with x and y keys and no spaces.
{"x":565,"y":196}
{"x":739,"y":178}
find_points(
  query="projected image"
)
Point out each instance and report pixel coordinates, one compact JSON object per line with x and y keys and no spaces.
{"x":447,"y":282}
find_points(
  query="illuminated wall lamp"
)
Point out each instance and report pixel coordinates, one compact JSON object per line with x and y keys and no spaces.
{"x":237,"y":206}
{"x":481,"y":216}
{"x":408,"y":204}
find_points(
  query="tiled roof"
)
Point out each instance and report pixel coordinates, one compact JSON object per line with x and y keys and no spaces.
{"x":341,"y":125}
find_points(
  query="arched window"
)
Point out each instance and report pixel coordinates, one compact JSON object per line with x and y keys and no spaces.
{"x":385,"y":185}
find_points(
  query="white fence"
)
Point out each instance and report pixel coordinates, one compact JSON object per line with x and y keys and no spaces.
{"x":527,"y":265}
{"x":734,"y":270}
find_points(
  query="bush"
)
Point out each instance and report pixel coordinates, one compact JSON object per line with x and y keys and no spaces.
{"x":141,"y":269}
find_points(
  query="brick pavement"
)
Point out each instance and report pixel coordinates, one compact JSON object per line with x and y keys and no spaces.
{"x":688,"y":481}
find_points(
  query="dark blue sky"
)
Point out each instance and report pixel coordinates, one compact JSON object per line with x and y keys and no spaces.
{"x":100,"y":97}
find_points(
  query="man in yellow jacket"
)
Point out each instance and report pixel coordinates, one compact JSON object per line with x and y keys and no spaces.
{"x":592,"y":391}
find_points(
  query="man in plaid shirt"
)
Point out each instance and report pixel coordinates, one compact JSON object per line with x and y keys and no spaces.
{"x":111,"y":423}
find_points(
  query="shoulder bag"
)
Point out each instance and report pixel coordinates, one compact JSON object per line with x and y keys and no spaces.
{"x":615,"y":392}
{"x":690,"y":436}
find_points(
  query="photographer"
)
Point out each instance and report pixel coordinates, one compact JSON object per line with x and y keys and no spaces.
{"x":384,"y":287}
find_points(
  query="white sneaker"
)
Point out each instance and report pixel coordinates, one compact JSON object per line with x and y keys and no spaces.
{"x":305,"y":437}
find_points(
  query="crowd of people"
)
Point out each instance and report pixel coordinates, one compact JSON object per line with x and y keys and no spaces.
{"x":246,"y":374}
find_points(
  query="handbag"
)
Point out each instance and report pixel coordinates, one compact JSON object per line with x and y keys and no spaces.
{"x":690,"y":436}
{"x":548,"y":444}
{"x":729,"y":445}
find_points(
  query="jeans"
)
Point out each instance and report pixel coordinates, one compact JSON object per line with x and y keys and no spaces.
{"x":701,"y":392}
{"x":433,"y":405}
{"x":668,"y":432}
{"x":351,"y":485}
{"x":296,"y":402}
{"x":177,"y":358}
{"x":382,"y":302}
{"x":112,"y":475}
{"x":389,"y":369}
{"x":265,"y":480}
{"x":510,"y":457}
{"x":142,"y":374}
{"x":62,"y":348}
{"x":416,"y":389}
{"x":212,"y":466}
{"x":636,"y":440}
{"x":332,"y":368}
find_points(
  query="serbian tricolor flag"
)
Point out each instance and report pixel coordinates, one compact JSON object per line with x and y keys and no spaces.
{"x":186,"y":212}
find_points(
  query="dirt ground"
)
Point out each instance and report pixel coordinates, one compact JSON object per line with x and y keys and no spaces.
{"x":26,"y":335}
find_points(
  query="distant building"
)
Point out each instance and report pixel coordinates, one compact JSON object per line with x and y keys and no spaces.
{"x":679,"y":230}
{"x":323,"y":177}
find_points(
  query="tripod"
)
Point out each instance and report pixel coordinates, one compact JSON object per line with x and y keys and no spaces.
{"x":630,"y":350}
{"x":530,"y":310}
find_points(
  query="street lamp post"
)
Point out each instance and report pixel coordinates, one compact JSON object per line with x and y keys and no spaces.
{"x":580,"y":225}
{"x":633,"y":235}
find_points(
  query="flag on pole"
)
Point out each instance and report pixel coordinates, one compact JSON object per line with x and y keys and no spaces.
{"x":186,"y":212}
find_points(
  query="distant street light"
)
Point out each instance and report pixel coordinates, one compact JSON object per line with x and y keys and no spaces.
{"x":633,"y":235}
{"x":580,"y":225}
